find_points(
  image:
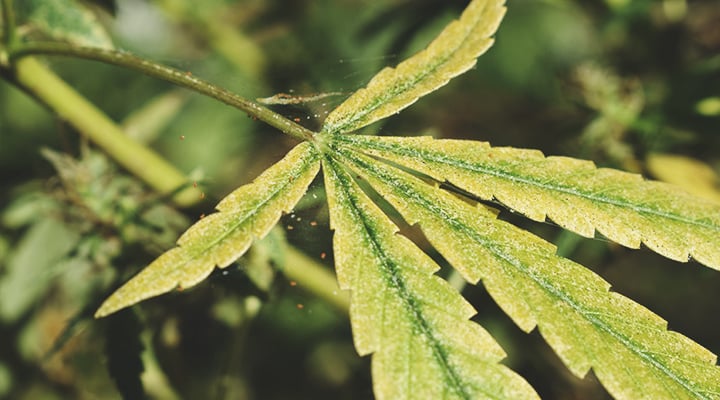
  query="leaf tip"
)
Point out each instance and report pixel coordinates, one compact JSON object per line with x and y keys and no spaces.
{"x":108,"y":307}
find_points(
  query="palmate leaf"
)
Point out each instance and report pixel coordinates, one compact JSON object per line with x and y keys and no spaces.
{"x":629,"y":347}
{"x":414,"y":322}
{"x":572,"y":193}
{"x":416,"y":325}
{"x":246,"y":214}
{"x":453,"y":52}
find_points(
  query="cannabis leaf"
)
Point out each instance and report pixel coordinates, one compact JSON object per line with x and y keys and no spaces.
{"x":416,"y":323}
{"x":218,"y":239}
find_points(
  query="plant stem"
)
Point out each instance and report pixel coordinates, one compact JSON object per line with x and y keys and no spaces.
{"x":8,"y":23}
{"x":147,"y":165}
{"x":317,"y":280}
{"x":184,"y":79}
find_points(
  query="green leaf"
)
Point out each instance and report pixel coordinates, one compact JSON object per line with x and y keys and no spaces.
{"x":453,"y":52}
{"x":67,"y":20}
{"x":572,"y":193}
{"x":29,"y":272}
{"x":414,"y":322}
{"x":244,"y":215}
{"x":629,"y":347}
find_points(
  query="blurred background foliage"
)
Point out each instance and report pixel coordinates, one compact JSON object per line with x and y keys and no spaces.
{"x":622,"y":82}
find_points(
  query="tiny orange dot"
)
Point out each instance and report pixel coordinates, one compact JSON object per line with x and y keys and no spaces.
{"x":323,"y":255}
{"x":293,"y":283}
{"x":296,"y":119}
{"x":300,"y":306}
{"x":202,"y":216}
{"x":313,"y":223}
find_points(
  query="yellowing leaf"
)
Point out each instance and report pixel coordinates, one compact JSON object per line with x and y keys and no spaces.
{"x":573,"y":193}
{"x":453,"y":52}
{"x":244,"y":215}
{"x":414,"y":322}
{"x":629,"y":347}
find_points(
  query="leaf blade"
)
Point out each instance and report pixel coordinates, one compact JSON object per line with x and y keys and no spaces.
{"x":572,"y":193}
{"x":70,"y":21}
{"x":453,"y":52}
{"x":246,"y":214}
{"x":587,"y":325}
{"x":415,"y":324}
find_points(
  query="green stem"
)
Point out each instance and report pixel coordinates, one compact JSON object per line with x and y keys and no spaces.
{"x":8,"y":23}
{"x":184,"y":79}
{"x":314,"y":278}
{"x":147,"y":165}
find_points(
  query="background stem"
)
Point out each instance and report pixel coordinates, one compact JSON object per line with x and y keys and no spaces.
{"x":314,"y":278}
{"x":139,"y":160}
{"x":8,"y":23}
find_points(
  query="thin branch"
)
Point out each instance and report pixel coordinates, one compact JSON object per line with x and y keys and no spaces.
{"x":184,"y":79}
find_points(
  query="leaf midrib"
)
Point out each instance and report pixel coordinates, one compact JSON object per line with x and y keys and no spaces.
{"x":408,"y":191}
{"x":441,"y":159}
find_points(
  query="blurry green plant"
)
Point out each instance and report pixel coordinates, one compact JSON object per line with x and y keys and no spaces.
{"x":415,"y":324}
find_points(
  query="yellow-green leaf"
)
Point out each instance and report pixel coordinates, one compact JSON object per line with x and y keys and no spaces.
{"x":453,"y":52}
{"x":244,"y":215}
{"x":630,"y":349}
{"x":414,"y":322}
{"x":572,"y":193}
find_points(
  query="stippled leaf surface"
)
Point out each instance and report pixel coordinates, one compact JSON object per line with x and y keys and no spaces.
{"x":218,"y":239}
{"x":630,"y":349}
{"x":573,"y":193}
{"x":415,"y":324}
{"x":453,"y":52}
{"x":67,"y":20}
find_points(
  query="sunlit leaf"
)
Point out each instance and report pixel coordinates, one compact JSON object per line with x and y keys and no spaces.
{"x":415,"y":324}
{"x":453,"y":52}
{"x":629,"y":347}
{"x":244,"y":215}
{"x":572,"y":193}
{"x":67,"y":20}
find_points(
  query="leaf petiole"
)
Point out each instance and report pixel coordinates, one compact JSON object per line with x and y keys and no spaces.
{"x":169,"y":74}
